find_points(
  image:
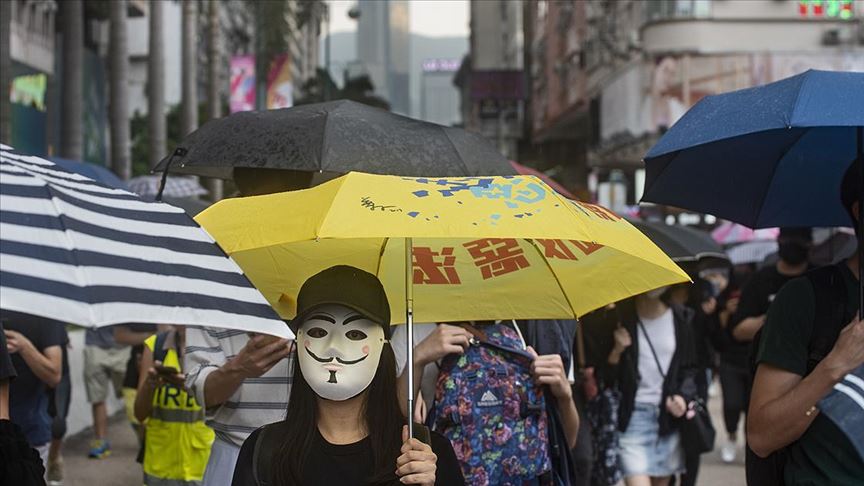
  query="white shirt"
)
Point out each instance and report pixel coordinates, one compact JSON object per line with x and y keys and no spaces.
{"x":661,"y":331}
{"x":258,"y":401}
{"x":399,"y":342}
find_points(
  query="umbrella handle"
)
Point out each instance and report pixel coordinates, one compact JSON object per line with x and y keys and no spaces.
{"x":179,"y":152}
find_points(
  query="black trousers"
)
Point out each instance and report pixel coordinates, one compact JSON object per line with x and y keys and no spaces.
{"x":583,"y":451}
{"x":735,"y":382}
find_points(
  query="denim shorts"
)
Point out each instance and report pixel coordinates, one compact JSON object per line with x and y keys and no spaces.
{"x":643,"y":451}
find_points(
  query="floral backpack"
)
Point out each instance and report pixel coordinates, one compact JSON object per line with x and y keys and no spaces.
{"x":487,"y":404}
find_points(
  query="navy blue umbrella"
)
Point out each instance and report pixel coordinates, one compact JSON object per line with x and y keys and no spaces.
{"x":774,"y":155}
{"x":768,"y":156}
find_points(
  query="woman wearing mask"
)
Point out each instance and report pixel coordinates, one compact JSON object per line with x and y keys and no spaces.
{"x":654,"y":356}
{"x":344,"y":424}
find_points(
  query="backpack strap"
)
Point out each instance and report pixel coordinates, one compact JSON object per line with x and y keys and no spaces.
{"x":831,"y":312}
{"x":159,"y":351}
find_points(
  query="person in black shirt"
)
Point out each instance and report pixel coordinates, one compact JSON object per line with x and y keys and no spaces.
{"x":35,"y":345}
{"x":344,"y":424}
{"x":21,"y":463}
{"x":793,"y":249}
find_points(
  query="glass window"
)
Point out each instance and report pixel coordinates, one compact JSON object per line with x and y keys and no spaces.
{"x":670,"y":9}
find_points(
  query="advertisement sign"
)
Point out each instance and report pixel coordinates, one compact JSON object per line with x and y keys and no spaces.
{"x":280,"y":89}
{"x":29,"y":91}
{"x":242,"y":83}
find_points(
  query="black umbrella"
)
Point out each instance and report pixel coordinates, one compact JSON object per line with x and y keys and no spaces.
{"x":682,"y":244}
{"x":337,"y":136}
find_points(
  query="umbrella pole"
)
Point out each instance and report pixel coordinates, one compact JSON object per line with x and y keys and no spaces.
{"x":859,"y":156}
{"x":409,"y":335}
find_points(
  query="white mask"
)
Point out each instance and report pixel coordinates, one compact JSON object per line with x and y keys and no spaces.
{"x":656,"y":293}
{"x":339,"y":351}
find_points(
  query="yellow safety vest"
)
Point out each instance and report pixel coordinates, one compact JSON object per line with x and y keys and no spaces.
{"x":177,"y":443}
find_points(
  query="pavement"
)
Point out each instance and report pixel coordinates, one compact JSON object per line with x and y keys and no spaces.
{"x":120,"y":469}
{"x":713,"y":471}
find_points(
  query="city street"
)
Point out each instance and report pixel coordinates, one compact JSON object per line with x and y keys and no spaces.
{"x":227,"y":206}
{"x":120,"y":469}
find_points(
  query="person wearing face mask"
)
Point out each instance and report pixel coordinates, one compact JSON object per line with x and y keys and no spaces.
{"x":655,"y":365}
{"x":344,"y":423}
{"x":793,"y":249}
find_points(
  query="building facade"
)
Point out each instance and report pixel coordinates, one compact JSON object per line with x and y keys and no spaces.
{"x":491,"y":78}
{"x":384,"y":50}
{"x":608,"y":78}
{"x":439,"y":101}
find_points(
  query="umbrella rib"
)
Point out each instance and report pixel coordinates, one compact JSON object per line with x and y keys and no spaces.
{"x":774,"y":173}
{"x":459,"y":154}
{"x":554,"y":276}
{"x":381,"y":255}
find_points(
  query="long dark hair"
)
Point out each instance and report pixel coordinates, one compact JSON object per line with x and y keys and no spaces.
{"x":384,"y":420}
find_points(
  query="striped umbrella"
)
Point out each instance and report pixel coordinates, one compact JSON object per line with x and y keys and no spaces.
{"x":77,"y":251}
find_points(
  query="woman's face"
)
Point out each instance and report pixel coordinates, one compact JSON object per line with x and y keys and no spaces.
{"x":339,"y":351}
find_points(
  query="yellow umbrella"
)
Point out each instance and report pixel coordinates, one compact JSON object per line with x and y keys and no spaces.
{"x":482,"y":247}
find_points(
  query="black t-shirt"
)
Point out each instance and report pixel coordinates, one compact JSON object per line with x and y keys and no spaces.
{"x":7,"y":371}
{"x":345,"y":465}
{"x":823,"y":454}
{"x":757,"y":295}
{"x":28,"y":401}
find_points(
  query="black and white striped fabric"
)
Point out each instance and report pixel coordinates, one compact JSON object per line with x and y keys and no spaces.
{"x":76,"y":251}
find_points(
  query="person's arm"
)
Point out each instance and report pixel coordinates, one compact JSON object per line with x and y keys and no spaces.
{"x":623,"y":340}
{"x":747,"y":328}
{"x":4,"y":399}
{"x":257,"y":357}
{"x":444,"y":340}
{"x":782,"y":404}
{"x":750,"y":315}
{"x":548,"y":369}
{"x":148,"y":382}
{"x":125,"y":335}
{"x":47,"y":364}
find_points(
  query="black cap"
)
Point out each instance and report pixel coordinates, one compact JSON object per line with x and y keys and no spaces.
{"x":344,"y":285}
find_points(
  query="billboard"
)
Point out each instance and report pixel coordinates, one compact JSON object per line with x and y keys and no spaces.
{"x":280,"y":90}
{"x":29,"y":91}
{"x":242,"y":84}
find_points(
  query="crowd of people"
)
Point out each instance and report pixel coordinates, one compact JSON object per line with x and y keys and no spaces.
{"x":620,"y":395}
